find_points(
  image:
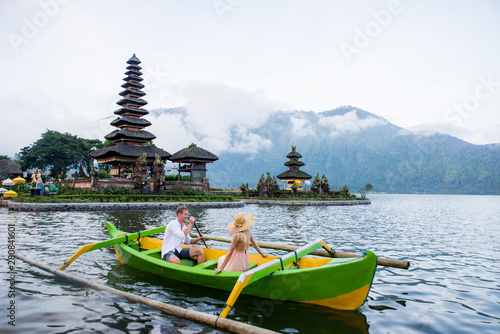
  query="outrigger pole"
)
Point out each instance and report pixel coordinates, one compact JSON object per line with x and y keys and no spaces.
{"x":321,"y":252}
{"x":110,"y":242}
{"x":200,"y":317}
{"x":253,"y":275}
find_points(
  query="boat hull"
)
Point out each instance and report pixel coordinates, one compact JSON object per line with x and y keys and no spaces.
{"x":336,"y":283}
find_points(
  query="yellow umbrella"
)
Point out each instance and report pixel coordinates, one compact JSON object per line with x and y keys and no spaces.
{"x":10,"y":193}
{"x":19,"y":180}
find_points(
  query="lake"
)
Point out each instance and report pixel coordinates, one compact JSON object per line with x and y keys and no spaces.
{"x":452,"y":286}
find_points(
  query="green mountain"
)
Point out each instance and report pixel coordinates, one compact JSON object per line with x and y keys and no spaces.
{"x":354,"y":147}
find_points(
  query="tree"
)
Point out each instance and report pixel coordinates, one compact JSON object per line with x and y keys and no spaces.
{"x":365,"y":190}
{"x":58,"y":152}
{"x":150,"y":143}
{"x":316,"y":185}
{"x":4,"y":157}
{"x":261,"y":185}
{"x":325,"y":187}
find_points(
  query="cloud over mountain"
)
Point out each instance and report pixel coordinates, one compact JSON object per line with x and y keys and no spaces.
{"x":348,"y":122}
{"x":216,"y":117}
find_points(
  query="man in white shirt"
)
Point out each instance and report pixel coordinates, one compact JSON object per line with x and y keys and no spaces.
{"x":175,"y":235}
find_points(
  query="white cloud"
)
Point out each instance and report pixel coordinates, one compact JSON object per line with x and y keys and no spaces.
{"x":478,"y":136}
{"x":222,"y":117}
{"x":170,"y":131}
{"x":431,"y":129}
{"x":301,"y":128}
{"x":25,"y":118}
{"x":349,"y":122}
{"x":217,"y":118}
{"x":247,"y":142}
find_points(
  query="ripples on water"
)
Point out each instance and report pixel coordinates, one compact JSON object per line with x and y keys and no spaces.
{"x":452,"y":285}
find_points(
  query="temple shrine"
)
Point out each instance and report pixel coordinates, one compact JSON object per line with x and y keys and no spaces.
{"x":130,"y":141}
{"x":194,"y":161}
{"x":294,"y":175}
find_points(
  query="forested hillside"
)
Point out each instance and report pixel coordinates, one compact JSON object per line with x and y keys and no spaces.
{"x":354,"y":147}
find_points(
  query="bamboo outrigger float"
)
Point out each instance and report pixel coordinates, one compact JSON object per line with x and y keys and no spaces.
{"x":339,"y":283}
{"x":200,"y":317}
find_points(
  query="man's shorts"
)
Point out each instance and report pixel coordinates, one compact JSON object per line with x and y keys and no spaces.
{"x":184,"y":254}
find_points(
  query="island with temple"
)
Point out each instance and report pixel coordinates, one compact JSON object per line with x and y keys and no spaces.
{"x":129,"y":167}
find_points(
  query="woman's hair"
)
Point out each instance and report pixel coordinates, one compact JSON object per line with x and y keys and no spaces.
{"x":244,"y":236}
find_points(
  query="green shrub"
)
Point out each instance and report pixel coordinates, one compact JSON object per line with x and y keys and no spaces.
{"x":114,"y":190}
{"x":103,"y":174}
{"x":88,"y":198}
{"x":70,"y":190}
{"x":171,"y":177}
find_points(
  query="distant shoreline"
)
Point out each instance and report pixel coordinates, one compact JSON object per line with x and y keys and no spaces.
{"x":20,"y":206}
{"x":43,"y":207}
{"x":307,"y":203}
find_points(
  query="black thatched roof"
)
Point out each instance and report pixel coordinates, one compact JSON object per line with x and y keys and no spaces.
{"x":133,"y":60}
{"x":134,"y":67}
{"x":133,"y":91}
{"x":295,"y":175}
{"x":193,"y":153}
{"x":294,"y":154}
{"x":9,"y":167}
{"x":294,"y":163}
{"x":132,"y":101}
{"x":134,"y":111}
{"x":127,"y":120}
{"x":133,"y":72}
{"x":141,"y":136}
{"x":132,"y":77}
{"x":130,"y":151}
{"x":131,"y":84}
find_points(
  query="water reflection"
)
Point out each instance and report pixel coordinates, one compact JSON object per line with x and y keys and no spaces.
{"x":292,"y":225}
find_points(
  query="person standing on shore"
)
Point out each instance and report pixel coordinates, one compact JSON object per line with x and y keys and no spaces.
{"x":176,"y":234}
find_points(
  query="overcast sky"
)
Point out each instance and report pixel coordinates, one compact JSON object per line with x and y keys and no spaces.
{"x":423,"y":65}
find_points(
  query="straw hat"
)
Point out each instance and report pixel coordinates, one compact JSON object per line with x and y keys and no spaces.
{"x":241,"y":222}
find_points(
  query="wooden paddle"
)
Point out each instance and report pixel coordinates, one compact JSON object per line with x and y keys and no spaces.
{"x":110,"y":242}
{"x":200,"y":235}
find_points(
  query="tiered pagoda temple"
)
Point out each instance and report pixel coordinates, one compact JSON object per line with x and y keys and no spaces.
{"x":129,"y":139}
{"x":195,"y":160}
{"x":294,"y":175}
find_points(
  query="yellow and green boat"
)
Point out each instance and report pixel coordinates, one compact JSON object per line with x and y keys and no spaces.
{"x":339,"y":283}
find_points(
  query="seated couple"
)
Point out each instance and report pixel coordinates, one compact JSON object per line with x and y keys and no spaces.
{"x":235,"y":260}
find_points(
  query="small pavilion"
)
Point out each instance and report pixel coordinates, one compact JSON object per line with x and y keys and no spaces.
{"x":130,"y":140}
{"x":194,"y":160}
{"x":9,"y":168}
{"x":294,"y":175}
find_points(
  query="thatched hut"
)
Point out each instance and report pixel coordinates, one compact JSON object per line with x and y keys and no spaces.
{"x":9,"y":168}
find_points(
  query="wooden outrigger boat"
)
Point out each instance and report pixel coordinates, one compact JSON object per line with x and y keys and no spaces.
{"x":339,"y":283}
{"x":336,"y":283}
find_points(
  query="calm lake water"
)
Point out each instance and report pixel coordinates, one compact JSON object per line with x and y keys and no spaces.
{"x":452,"y":286}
